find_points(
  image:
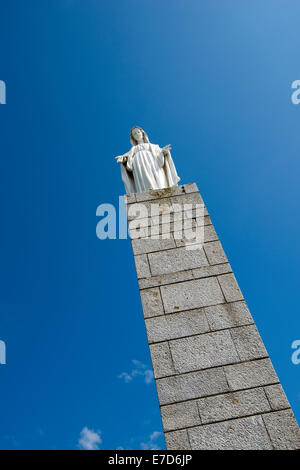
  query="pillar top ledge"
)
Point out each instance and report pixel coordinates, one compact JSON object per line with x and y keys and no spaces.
{"x":153,"y":194}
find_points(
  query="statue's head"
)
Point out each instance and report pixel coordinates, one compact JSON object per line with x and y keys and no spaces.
{"x":138,"y":136}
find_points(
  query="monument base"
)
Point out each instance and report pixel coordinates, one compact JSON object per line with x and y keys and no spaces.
{"x":216,"y":385}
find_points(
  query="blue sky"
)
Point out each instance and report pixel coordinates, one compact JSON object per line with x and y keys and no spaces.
{"x":213,"y":79}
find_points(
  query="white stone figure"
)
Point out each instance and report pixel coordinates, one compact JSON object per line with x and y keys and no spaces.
{"x":146,"y":166}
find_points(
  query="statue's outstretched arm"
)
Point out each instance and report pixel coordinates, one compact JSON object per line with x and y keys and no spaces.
{"x":125,"y":160}
{"x":166,"y":149}
{"x":122,"y":158}
{"x":164,"y":152}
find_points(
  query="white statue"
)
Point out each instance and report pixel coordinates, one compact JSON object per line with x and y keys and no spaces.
{"x":146,"y":166}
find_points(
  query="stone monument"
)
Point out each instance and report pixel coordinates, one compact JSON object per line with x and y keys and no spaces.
{"x":216,"y":386}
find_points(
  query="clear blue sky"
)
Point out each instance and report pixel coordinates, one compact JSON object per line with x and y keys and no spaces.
{"x":213,"y":79}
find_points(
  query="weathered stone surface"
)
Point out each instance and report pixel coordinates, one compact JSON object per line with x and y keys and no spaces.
{"x":129,"y":198}
{"x":203,"y":351}
{"x":213,"y":375}
{"x":215,"y":253}
{"x":137,"y":211}
{"x":151,"y":301}
{"x":277,"y":397}
{"x":187,"y":235}
{"x":191,"y":385}
{"x":191,"y":294}
{"x":228,"y":315}
{"x":180,"y":415}
{"x":142,"y":266}
{"x":207,"y":220}
{"x":157,"y":194}
{"x":147,"y":245}
{"x":190,"y":188}
{"x":139,"y":229}
{"x":159,"y":228}
{"x":180,"y":276}
{"x":161,"y":360}
{"x":207,"y":271}
{"x":248,"y":343}
{"x":283,"y":430}
{"x":233,"y":405}
{"x":179,"y":203}
{"x":190,"y":219}
{"x":250,"y":374}
{"x":174,"y":222}
{"x":210,"y":234}
{"x":190,"y":198}
{"x":168,"y":228}
{"x":238,"y":434}
{"x":230,"y":288}
{"x":176,"y":325}
{"x":178,"y":226}
{"x":179,"y":259}
{"x":171,"y":223}
{"x":192,"y":236}
{"x":172,"y":226}
{"x":177,"y":440}
{"x":164,"y":279}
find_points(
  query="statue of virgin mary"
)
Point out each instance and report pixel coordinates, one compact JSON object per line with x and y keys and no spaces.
{"x":146,"y":166}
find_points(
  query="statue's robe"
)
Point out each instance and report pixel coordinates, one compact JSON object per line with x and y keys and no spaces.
{"x":147,"y":167}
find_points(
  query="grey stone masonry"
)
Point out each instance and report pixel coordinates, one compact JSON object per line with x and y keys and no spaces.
{"x":216,"y":385}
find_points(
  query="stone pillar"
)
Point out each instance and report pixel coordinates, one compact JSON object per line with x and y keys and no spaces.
{"x":216,"y":385}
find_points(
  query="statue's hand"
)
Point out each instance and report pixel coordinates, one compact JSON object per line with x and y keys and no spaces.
{"x":122,"y":159}
{"x":166,"y":149}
